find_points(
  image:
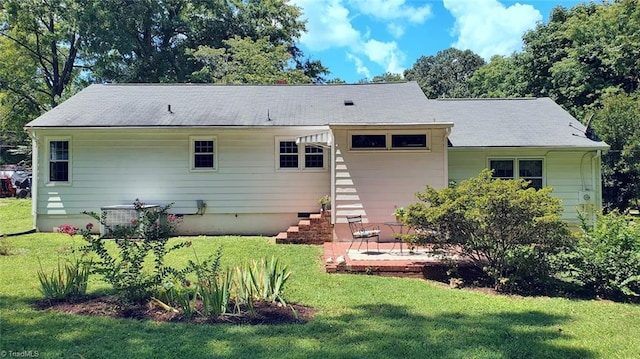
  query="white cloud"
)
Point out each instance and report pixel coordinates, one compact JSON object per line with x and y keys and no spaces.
{"x":329,"y":25}
{"x":396,"y":30}
{"x":489,"y":28}
{"x":360,"y":67}
{"x":385,"y":54}
{"x":393,"y":10}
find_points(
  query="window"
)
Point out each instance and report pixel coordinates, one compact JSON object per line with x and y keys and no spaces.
{"x":531,"y":170}
{"x":393,"y":140}
{"x":409,"y":141}
{"x":527,"y":169}
{"x":292,"y":156}
{"x":203,"y":153}
{"x":368,"y":141}
{"x":59,"y":161}
{"x":288,"y":154}
{"x":313,"y":157}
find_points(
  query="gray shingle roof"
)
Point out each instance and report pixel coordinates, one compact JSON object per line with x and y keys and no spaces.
{"x":477,"y":123}
{"x":114,"y":105}
{"x":524,"y":122}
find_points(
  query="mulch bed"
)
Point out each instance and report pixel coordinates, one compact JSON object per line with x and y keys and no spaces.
{"x":265,"y":312}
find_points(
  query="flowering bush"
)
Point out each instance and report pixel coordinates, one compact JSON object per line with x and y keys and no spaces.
{"x":148,"y":235}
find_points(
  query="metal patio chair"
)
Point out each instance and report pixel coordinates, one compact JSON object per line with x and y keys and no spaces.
{"x":361,"y":233}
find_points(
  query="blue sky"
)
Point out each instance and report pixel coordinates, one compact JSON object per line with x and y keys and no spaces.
{"x":359,"y":39}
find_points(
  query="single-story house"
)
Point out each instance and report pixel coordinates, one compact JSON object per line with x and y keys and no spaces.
{"x":253,"y":159}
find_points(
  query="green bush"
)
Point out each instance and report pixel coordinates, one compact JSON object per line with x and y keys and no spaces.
{"x":146,"y":236}
{"x":509,"y":230}
{"x":608,"y":257}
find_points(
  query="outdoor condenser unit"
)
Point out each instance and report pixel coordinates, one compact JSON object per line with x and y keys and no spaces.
{"x":119,"y":215}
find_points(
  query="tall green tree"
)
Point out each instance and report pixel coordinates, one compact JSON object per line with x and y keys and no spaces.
{"x":501,"y":77}
{"x":618,"y":124}
{"x":247,"y":62}
{"x":40,"y":42}
{"x":445,"y":74}
{"x":152,"y":41}
{"x":45,"y":33}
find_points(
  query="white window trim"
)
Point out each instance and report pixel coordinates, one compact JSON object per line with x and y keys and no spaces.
{"x":301,"y":157}
{"x":516,"y":165}
{"x":192,"y":153}
{"x":49,"y":182}
{"x":388,"y":140}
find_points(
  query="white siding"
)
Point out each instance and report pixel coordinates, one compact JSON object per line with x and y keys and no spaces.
{"x":118,"y":166}
{"x":371,"y":183}
{"x":568,"y":172}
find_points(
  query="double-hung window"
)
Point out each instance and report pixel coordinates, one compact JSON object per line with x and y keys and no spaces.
{"x":291,"y":156}
{"x":59,"y":167}
{"x":203,"y":153}
{"x":524,"y":168}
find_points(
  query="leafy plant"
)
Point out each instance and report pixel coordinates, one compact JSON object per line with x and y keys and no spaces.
{"x":216,"y":295}
{"x":269,"y":278}
{"x":147,"y":235}
{"x":608,"y":256}
{"x":509,"y":230}
{"x":68,"y":281}
{"x":179,"y":294}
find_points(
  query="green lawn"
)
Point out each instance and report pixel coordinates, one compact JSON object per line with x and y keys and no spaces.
{"x":358,"y":316}
{"x":15,"y":215}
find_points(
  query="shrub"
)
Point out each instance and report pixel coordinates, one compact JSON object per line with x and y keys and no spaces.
{"x":146,"y":236}
{"x":608,"y":256}
{"x":507,"y":229}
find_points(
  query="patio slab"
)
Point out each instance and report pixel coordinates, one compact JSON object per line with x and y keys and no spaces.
{"x":388,"y":262}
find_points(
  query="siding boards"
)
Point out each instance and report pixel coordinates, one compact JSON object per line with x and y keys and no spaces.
{"x":117,"y":166}
{"x":568,"y":172}
{"x":371,"y":183}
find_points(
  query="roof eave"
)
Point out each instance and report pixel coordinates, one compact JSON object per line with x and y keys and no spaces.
{"x":604,"y":147}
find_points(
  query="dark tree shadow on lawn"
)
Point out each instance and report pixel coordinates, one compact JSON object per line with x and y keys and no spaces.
{"x":370,"y":331}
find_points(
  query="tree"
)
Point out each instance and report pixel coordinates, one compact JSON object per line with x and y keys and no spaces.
{"x":152,"y":41}
{"x":445,"y":74}
{"x":507,"y":229}
{"x":387,"y":77}
{"x":247,"y":62}
{"x":501,"y":77}
{"x":618,"y":124}
{"x":46,"y":35}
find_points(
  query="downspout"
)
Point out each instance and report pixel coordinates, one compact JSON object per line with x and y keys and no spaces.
{"x":35,"y":176}
{"x":333,"y":177}
{"x":596,"y":165}
{"x":445,"y":161}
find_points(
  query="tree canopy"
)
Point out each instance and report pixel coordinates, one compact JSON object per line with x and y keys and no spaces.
{"x":445,"y":74}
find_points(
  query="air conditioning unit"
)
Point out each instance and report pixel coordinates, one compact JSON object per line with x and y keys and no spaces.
{"x":119,"y":215}
{"x":586,"y":197}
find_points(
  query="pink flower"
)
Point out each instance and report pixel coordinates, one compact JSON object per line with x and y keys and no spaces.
{"x":89,"y":226}
{"x":68,"y":229}
{"x":134,"y":221}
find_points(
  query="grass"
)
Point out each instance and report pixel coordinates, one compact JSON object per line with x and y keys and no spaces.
{"x":15,"y":215}
{"x":358,"y":316}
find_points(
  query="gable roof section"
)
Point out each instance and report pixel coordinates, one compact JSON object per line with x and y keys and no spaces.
{"x":477,"y":122}
{"x":520,"y":122}
{"x":139,"y":105}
